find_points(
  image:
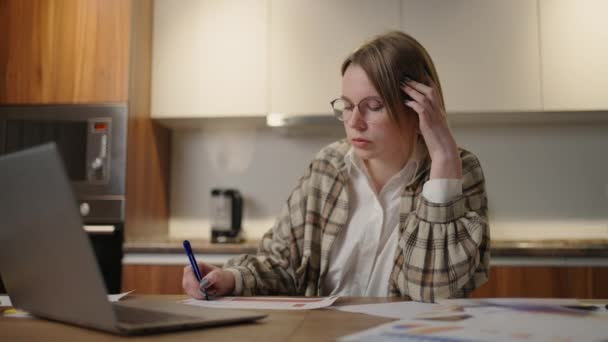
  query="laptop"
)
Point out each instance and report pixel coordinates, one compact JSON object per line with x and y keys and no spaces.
{"x":48,"y":265}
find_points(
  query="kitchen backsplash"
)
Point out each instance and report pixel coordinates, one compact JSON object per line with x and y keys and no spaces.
{"x":544,"y":181}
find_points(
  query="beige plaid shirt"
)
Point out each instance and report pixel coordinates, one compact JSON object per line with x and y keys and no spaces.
{"x":443,"y":249}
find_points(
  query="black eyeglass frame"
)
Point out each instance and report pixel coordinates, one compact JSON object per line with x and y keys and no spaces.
{"x":340,"y":114}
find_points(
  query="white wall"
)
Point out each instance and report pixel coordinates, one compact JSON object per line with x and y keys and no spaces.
{"x":543,"y":180}
{"x":263,"y":163}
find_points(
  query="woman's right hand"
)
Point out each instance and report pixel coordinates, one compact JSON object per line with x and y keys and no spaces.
{"x":217,"y":282}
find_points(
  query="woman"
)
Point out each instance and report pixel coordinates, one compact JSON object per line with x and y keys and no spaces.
{"x":396,"y":209}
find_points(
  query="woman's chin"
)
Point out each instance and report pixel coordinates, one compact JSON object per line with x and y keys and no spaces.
{"x":364,"y":154}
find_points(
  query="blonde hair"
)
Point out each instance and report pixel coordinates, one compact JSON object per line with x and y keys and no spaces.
{"x":387,"y":59}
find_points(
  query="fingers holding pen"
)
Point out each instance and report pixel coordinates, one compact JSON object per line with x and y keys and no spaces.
{"x":209,"y":280}
{"x":218,"y":283}
{"x":190,"y":283}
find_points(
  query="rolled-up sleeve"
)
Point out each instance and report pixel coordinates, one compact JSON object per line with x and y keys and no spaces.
{"x":442,"y":190}
{"x":444,"y":250}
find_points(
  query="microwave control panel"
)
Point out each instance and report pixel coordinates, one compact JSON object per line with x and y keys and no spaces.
{"x":98,"y":144}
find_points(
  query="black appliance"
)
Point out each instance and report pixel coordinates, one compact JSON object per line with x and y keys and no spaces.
{"x":226,"y":216}
{"x":92,"y":141}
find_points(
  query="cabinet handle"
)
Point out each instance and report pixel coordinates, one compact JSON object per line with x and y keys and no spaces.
{"x":100,"y":229}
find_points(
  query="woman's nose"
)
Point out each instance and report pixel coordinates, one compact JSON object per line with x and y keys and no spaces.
{"x":356,"y":120}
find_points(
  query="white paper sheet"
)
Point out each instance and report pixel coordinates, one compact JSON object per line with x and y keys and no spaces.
{"x":265,"y":303}
{"x":509,"y":301}
{"x":5,"y":301}
{"x":494,"y":319}
{"x":543,"y":305}
{"x":502,"y":326}
{"x":401,"y":310}
{"x":118,"y":296}
{"x":450,"y":307}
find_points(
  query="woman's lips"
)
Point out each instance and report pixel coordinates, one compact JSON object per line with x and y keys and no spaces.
{"x":358,"y":142}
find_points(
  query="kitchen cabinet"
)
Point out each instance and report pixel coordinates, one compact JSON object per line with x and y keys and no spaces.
{"x":486,"y":52}
{"x":210,"y":58}
{"x":217,"y":58}
{"x":153,"y":279}
{"x":147,"y":204}
{"x":308,"y":42}
{"x":95,"y":51}
{"x":574,"y":54}
{"x":230,"y":58}
{"x":545,"y":281}
{"x":64,"y":51}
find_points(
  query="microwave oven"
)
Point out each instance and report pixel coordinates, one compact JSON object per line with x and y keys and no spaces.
{"x":92,"y":141}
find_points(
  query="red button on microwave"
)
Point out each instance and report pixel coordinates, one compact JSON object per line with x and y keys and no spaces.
{"x":101,"y":126}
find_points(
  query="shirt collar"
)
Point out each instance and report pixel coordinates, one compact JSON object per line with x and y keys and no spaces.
{"x":354,"y":164}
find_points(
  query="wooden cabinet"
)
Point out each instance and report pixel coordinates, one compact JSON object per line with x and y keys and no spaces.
{"x":308,"y":42}
{"x":95,"y":51}
{"x":574,"y":52}
{"x":486,"y":52}
{"x":153,"y":279}
{"x":545,"y":281}
{"x":147,"y":207}
{"x":66,"y":51}
{"x":210,"y":58}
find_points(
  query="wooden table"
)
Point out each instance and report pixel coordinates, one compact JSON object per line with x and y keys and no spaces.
{"x":309,"y":325}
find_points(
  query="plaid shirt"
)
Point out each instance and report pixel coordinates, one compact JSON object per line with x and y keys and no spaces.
{"x":443,"y":249}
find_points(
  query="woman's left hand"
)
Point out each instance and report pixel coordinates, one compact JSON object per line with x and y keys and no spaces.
{"x":434,"y":128}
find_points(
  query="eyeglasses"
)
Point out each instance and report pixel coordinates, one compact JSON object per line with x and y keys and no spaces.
{"x":371,"y":109}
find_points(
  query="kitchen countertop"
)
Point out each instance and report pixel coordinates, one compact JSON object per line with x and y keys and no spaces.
{"x":551,"y":248}
{"x":199,"y":246}
{"x":501,"y":248}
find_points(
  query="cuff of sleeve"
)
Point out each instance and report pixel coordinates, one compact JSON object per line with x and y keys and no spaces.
{"x":442,"y":191}
{"x":238,"y":281}
{"x":441,"y":213}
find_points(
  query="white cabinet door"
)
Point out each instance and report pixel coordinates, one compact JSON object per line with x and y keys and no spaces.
{"x":486,"y":51}
{"x":309,"y":39}
{"x":210,"y":58}
{"x":574,"y":50}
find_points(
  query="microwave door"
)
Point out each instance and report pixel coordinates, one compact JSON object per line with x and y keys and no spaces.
{"x":92,"y":142}
{"x":69,"y":136}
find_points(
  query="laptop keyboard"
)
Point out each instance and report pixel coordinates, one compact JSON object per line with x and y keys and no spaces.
{"x":130,"y":315}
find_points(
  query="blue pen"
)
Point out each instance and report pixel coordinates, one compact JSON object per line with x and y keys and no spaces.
{"x":194,"y":264}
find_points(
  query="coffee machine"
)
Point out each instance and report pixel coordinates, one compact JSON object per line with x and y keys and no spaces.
{"x":226,"y":216}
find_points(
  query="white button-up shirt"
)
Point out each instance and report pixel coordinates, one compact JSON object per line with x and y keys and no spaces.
{"x":361,"y":258}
